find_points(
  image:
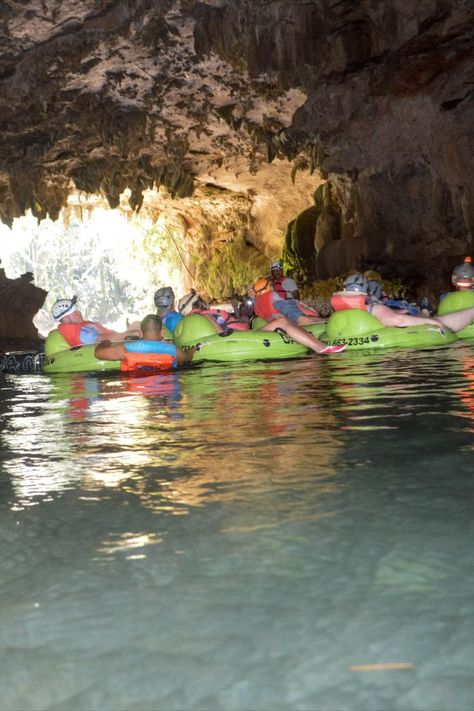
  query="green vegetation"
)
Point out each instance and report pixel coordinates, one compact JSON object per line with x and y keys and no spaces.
{"x":227,"y":269}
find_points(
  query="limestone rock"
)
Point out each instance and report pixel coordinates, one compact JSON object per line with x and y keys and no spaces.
{"x":377,"y":97}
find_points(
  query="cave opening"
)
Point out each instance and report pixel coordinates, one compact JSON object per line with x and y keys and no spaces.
{"x":112,"y":259}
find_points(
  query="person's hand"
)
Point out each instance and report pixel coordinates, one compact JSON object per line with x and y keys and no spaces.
{"x":439,"y":325}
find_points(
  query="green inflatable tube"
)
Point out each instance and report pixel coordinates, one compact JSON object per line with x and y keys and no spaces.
{"x":457,"y":301}
{"x":61,"y":358}
{"x":360,"y":330}
{"x":236,"y":345}
{"x":316,"y":329}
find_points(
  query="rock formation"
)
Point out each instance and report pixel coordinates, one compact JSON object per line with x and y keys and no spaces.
{"x":19,"y":301}
{"x":374,"y":97}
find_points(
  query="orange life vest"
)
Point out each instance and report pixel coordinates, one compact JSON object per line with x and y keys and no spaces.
{"x":148,"y":361}
{"x":72,"y":331}
{"x":264,"y":307}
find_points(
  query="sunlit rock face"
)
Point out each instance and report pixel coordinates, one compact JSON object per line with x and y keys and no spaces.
{"x":377,"y":96}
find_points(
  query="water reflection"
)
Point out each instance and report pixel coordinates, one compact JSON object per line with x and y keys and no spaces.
{"x":240,"y":537}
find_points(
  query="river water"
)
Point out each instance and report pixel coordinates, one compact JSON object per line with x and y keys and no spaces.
{"x":287,"y":535}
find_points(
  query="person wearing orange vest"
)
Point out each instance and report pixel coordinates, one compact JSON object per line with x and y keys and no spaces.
{"x":261,"y":293}
{"x":131,"y":356}
{"x":77,"y":331}
{"x":268,"y":305}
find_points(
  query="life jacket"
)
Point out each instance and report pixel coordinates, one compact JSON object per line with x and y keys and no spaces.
{"x":72,"y":331}
{"x":223,"y":318}
{"x":278,"y":287}
{"x":148,"y":355}
{"x":264,"y":306}
{"x":348,"y":300}
{"x":307,"y":310}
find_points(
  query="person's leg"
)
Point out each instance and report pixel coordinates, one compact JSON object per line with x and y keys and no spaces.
{"x":299,"y":335}
{"x":305,"y":320}
{"x":290,"y":310}
{"x":457,"y":320}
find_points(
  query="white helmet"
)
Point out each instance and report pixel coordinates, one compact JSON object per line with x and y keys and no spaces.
{"x":63,"y":307}
{"x":188,"y":302}
{"x":357,"y":283}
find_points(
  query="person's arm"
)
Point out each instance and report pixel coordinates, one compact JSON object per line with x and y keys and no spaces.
{"x":388,"y":317}
{"x":184,"y":356}
{"x":122,"y":335}
{"x":106,"y":350}
{"x":291,"y":287}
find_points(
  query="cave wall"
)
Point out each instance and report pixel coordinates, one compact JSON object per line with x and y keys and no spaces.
{"x":376,"y":96}
{"x":20,"y":299}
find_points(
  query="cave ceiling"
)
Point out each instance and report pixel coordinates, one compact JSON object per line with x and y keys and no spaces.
{"x":262,"y":98}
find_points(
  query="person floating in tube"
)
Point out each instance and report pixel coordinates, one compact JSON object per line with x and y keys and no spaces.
{"x":358,"y":285}
{"x":150,"y":331}
{"x":77,"y":330}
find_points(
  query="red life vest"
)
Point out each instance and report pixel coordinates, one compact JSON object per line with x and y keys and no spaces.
{"x":264,"y":307}
{"x":278,"y":287}
{"x":72,"y":331}
{"x":348,"y":300}
{"x":153,"y":361}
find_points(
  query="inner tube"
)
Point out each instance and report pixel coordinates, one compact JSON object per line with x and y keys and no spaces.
{"x":22,"y":362}
{"x":61,"y":358}
{"x":316,"y":329}
{"x":360,"y":330}
{"x":234,"y":346}
{"x":457,"y":301}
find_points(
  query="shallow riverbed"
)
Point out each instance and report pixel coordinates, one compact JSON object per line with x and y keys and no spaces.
{"x":293,"y":535}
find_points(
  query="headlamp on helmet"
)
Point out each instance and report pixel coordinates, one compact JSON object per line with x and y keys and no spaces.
{"x":63,"y":307}
{"x":463,"y":275}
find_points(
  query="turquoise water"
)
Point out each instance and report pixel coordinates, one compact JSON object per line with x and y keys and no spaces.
{"x":251,"y":537}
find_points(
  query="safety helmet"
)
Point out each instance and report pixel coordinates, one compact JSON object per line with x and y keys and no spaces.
{"x":357,"y":283}
{"x":375,"y":289}
{"x":463,"y":275}
{"x":164,"y":297}
{"x":261,"y":286}
{"x":276,"y":265}
{"x":188,"y":302}
{"x":63,"y":307}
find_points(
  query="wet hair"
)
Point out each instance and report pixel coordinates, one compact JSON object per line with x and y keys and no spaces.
{"x":149,"y":320}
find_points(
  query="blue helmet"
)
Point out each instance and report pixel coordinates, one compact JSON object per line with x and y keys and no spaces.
{"x":375,"y":289}
{"x":357,"y":283}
